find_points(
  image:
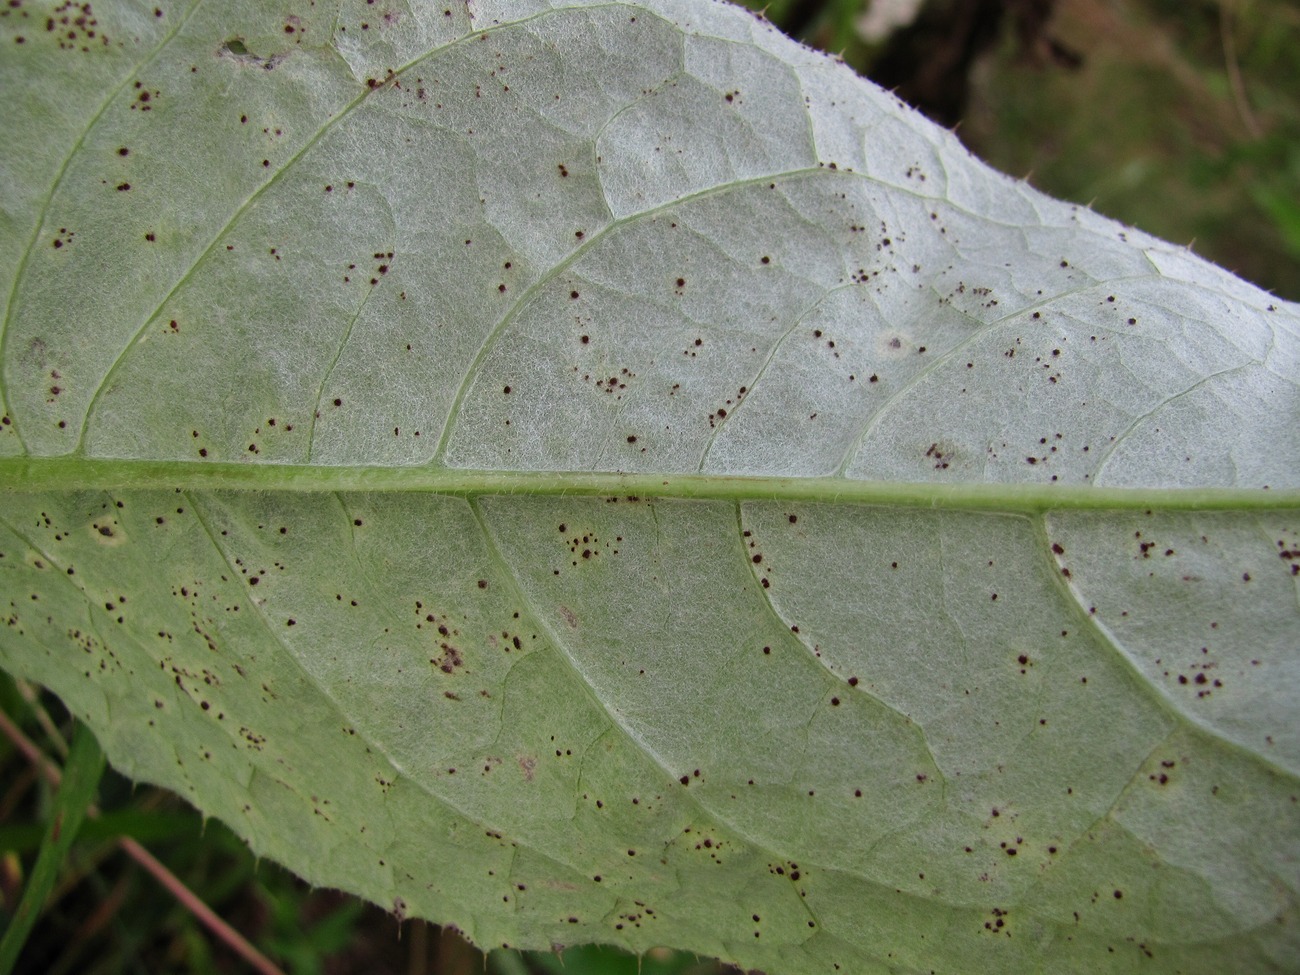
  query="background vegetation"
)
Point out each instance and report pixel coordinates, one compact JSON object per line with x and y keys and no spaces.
{"x":1178,"y":116}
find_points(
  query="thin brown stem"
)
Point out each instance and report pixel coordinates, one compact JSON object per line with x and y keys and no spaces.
{"x":1235,"y":82}
{"x":32,"y":696}
{"x":206,"y":916}
{"x":34,"y":755}
{"x":191,"y":901}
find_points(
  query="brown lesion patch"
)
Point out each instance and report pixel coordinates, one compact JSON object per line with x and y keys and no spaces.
{"x":107,"y":531}
{"x":527,"y":765}
{"x":449,"y":660}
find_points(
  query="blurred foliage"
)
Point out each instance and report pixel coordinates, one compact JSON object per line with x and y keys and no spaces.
{"x":1181,"y":117}
{"x":1184,"y":120}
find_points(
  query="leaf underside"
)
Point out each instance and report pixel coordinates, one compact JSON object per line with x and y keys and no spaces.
{"x":601,"y":472}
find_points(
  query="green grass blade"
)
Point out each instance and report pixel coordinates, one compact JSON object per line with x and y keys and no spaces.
{"x":80,"y":779}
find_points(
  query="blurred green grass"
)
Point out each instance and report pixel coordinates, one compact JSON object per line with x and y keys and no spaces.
{"x":1181,"y":117}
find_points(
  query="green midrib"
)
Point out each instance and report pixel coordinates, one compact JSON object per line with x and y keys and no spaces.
{"x":72,"y":473}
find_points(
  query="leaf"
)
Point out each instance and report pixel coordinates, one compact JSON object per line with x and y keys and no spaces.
{"x":603,"y":473}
